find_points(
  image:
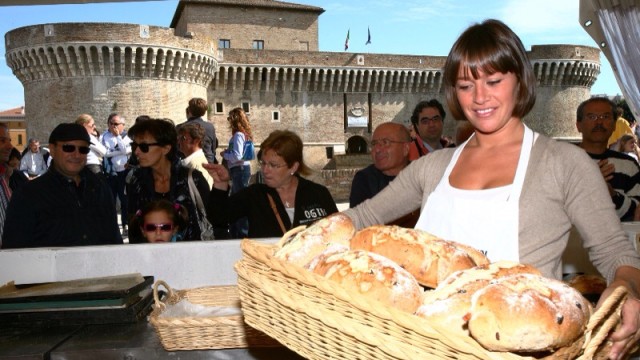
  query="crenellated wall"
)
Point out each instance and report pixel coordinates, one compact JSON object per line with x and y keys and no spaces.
{"x":67,"y":69}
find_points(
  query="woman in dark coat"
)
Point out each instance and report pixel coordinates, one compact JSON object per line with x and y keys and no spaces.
{"x":161,"y":175}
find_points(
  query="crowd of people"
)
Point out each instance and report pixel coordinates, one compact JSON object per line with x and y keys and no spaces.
{"x":164,"y":179}
{"x":499,"y":186}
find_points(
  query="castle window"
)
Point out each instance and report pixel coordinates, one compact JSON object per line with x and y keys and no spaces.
{"x":275,"y":116}
{"x":224,"y":44}
{"x":246,"y":106}
{"x":219,"y":108}
{"x":258,"y":44}
{"x":20,"y":139}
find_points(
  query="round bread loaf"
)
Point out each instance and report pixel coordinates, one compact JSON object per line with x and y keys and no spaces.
{"x":307,"y":243}
{"x":373,"y":276}
{"x":527,"y":313}
{"x":427,"y":257}
{"x":450,"y":302}
{"x":588,"y":284}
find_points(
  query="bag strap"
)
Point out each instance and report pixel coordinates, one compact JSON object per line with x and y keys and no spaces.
{"x":275,"y":211}
{"x":195,"y":194}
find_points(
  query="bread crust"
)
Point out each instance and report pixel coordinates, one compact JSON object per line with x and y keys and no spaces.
{"x":373,"y":276}
{"x":588,"y":284}
{"x":427,"y":257}
{"x":450,"y":302}
{"x":333,"y":231}
{"x":527,"y":313}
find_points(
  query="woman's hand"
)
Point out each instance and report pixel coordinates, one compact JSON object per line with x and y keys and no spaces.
{"x":219,"y":174}
{"x":627,"y":337}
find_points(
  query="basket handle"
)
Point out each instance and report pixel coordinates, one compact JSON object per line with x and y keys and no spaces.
{"x":156,"y":298}
{"x":602,"y":321}
{"x":289,"y":234}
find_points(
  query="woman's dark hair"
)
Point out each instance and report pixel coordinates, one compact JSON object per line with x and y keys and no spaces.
{"x":490,"y":47}
{"x":162,"y":130}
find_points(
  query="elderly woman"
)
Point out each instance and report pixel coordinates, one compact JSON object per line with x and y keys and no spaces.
{"x":508,"y":191}
{"x":161,"y":175}
{"x":285,"y":199}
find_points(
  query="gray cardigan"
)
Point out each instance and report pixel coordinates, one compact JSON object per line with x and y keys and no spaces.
{"x":563,"y":186}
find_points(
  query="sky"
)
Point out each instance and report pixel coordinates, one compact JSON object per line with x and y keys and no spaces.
{"x":415,"y":27}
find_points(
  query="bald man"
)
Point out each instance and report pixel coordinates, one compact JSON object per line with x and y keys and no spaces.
{"x":390,"y":153}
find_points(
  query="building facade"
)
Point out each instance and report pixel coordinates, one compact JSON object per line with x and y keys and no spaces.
{"x":261,"y":55}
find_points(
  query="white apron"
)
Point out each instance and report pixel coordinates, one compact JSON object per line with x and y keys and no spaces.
{"x":485,"y":219}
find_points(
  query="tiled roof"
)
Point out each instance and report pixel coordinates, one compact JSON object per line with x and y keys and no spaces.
{"x":274,"y":4}
{"x":15,"y":112}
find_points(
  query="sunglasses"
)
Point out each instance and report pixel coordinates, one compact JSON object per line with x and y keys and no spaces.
{"x":71,"y":148}
{"x":154,"y":227}
{"x":143,"y":146}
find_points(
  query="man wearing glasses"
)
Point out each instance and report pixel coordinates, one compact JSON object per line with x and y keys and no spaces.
{"x":390,"y":153}
{"x":67,"y":206}
{"x":596,"y":120}
{"x":118,"y":147}
{"x":427,"y":120}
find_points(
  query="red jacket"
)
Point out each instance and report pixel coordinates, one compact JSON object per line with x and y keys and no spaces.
{"x":417,"y":148}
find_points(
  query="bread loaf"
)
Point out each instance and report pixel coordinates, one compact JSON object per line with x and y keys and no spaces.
{"x":373,"y":276}
{"x":588,"y":284}
{"x":427,"y":257}
{"x":302,"y":244}
{"x":527,"y":313}
{"x":450,"y":302}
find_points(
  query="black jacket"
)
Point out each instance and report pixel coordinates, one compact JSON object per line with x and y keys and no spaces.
{"x":313,"y":202}
{"x":366,"y":184}
{"x":140,"y":191}
{"x":52,"y":211}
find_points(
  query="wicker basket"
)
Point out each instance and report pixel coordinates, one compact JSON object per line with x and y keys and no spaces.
{"x":198,"y":333}
{"x":321,"y":320}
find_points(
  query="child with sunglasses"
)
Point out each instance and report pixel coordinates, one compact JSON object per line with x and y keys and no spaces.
{"x":161,"y":221}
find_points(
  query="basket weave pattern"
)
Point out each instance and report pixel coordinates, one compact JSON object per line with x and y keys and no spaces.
{"x":200,"y":333}
{"x":320,"y":319}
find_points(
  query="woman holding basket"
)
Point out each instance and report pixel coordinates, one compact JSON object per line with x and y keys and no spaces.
{"x":508,"y":191}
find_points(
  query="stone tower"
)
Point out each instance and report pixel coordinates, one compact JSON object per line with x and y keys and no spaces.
{"x":98,"y":68}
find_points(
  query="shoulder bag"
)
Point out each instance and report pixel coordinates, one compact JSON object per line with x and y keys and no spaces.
{"x":206,"y":229}
{"x":248,"y":151}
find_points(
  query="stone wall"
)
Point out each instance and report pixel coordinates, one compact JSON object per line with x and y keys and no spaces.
{"x":73,"y":68}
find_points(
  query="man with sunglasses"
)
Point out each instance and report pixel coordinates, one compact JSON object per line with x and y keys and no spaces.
{"x":118,"y":146}
{"x":67,"y":206}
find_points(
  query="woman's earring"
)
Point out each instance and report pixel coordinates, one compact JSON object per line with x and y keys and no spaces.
{"x":292,"y":174}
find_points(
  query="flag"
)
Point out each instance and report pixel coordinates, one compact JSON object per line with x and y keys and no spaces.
{"x":368,"y":37}
{"x":346,"y":42}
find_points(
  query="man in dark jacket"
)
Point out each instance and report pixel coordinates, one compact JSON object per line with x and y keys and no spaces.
{"x":68,"y":205}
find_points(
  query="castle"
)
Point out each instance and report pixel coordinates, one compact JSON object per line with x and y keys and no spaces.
{"x":261,"y":55}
